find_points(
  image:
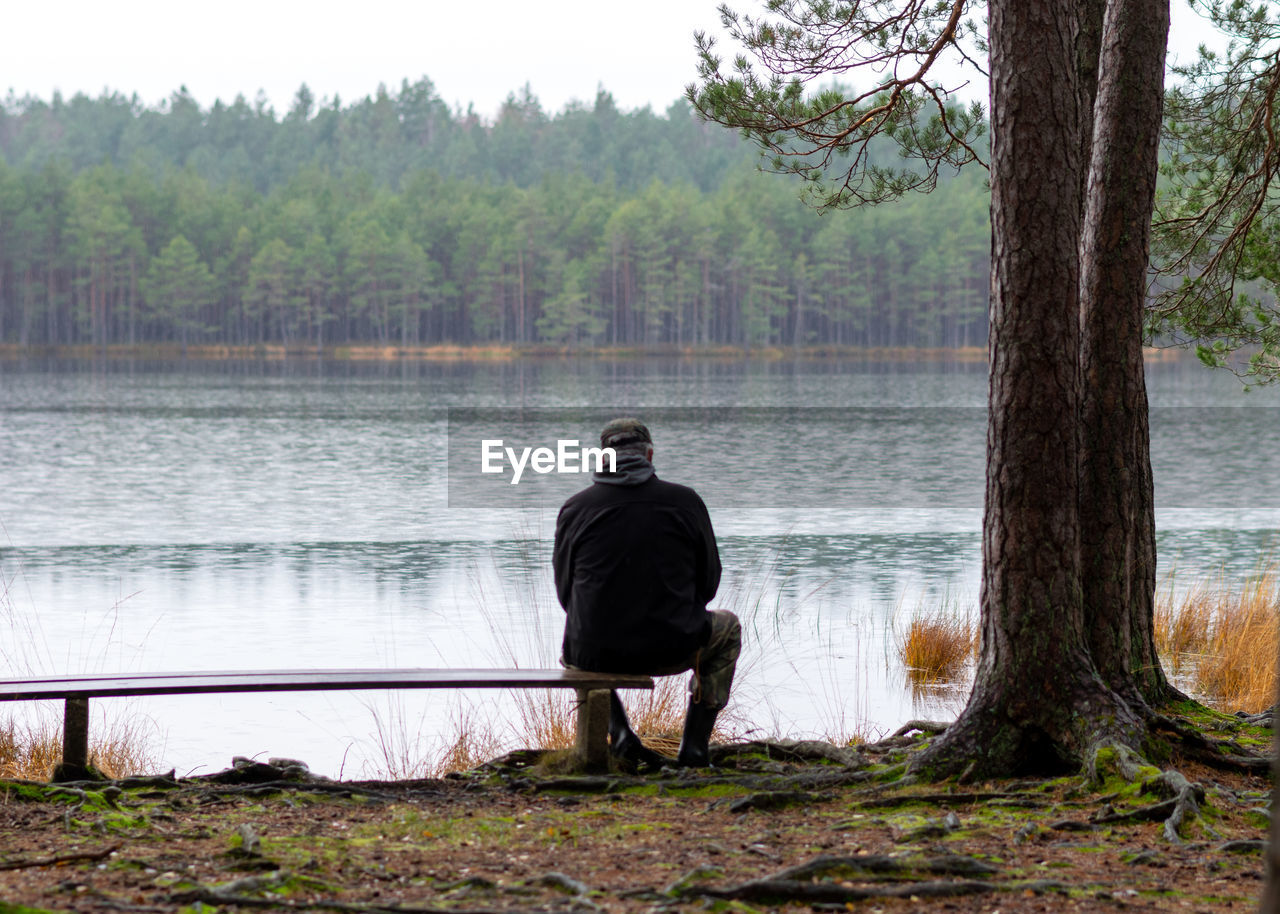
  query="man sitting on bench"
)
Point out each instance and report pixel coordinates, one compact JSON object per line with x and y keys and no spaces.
{"x":635,"y":566}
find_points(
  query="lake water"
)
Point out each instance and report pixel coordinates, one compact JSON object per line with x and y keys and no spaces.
{"x":310,"y":515}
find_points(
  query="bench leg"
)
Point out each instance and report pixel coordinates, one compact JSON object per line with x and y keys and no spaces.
{"x":75,"y":741}
{"x":593,"y":728}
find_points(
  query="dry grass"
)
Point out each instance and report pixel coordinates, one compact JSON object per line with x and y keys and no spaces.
{"x":548,"y":720}
{"x":1225,"y":641}
{"x":543,"y":719}
{"x":404,"y":754}
{"x":30,"y":749}
{"x":937,"y":648}
{"x":1182,"y":630}
{"x":1238,"y":669}
{"x":471,"y":747}
{"x":31,"y":735}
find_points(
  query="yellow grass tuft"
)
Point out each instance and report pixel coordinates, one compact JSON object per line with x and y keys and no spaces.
{"x":937,"y":648}
{"x":471,"y":747}
{"x":1238,"y":670}
{"x":1224,"y":641}
{"x":30,"y":749}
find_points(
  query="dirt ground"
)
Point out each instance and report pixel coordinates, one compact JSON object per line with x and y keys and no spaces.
{"x":774,"y":826}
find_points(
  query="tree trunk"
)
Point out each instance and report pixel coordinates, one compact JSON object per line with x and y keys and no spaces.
{"x":1038,"y":702}
{"x":1117,"y":517}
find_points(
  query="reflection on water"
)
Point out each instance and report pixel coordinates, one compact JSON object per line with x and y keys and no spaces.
{"x":301,"y":515}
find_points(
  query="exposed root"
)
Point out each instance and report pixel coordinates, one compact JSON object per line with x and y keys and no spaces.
{"x":932,"y":727}
{"x":1184,"y":808}
{"x":801,"y":883}
{"x":1184,"y":796}
{"x":218,"y":899}
{"x":881,"y":864}
{"x":903,"y":737}
{"x":1264,"y":718}
{"x":1127,"y":763}
{"x":61,"y":859}
{"x":235,"y":894}
{"x":805,"y":750}
{"x":781,"y":891}
{"x":995,"y":798}
{"x":773,"y":799}
{"x":1218,"y":754}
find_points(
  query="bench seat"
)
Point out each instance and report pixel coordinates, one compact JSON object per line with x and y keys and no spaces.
{"x":592,"y":688}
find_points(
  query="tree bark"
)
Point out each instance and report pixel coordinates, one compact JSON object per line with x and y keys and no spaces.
{"x":1117,"y":518}
{"x":1038,"y":702}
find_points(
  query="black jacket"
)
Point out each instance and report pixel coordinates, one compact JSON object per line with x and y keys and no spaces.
{"x":635,"y":567}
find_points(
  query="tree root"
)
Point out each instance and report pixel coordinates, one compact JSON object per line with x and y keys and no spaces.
{"x":902,"y":737}
{"x":82,"y":857}
{"x":805,"y":750}
{"x":931,"y":727}
{"x":218,"y":899}
{"x":161,"y":781}
{"x":266,"y":788}
{"x":1182,"y":806}
{"x":780,"y":891}
{"x":770,"y":799}
{"x":799,"y":883}
{"x":881,"y":864}
{"x":579,"y":891}
{"x":1009,"y":798}
{"x":235,"y":894}
{"x":803,"y":781}
{"x":1214,"y":753}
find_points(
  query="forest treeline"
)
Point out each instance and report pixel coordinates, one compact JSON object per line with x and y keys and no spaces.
{"x":399,"y":221}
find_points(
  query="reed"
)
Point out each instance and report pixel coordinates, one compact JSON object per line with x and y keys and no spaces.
{"x":937,"y":648}
{"x":1237,"y":671}
{"x":548,"y":719}
{"x":1182,"y":629}
{"x":31,"y":735}
{"x":30,"y":748}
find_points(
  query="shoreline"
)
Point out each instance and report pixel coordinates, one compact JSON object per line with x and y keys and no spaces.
{"x":371,"y":352}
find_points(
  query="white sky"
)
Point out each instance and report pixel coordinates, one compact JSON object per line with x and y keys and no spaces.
{"x":475,"y":51}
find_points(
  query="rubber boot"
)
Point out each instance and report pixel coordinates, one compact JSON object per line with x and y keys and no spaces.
{"x":624,"y":745}
{"x":695,"y":746}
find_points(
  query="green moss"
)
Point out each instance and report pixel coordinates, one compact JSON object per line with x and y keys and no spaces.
{"x":1257,"y":818}
{"x":883,"y":774}
{"x":639,"y":790}
{"x":30,"y":793}
{"x":707,"y":791}
{"x":120,"y":821}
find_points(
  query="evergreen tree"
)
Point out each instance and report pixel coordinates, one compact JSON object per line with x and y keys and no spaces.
{"x":177,"y":288}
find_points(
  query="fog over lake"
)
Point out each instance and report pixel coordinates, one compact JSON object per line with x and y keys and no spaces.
{"x":311,"y":515}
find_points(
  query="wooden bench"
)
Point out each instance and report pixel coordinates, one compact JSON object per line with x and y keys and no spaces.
{"x":592,"y":688}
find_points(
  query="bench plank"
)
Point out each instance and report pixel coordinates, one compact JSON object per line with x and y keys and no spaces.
{"x":592,"y":690}
{"x":127,"y":684}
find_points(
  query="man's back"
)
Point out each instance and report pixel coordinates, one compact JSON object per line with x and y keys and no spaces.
{"x":635,"y":567}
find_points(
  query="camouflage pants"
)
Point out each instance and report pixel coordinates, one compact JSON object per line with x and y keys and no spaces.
{"x":713,"y":664}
